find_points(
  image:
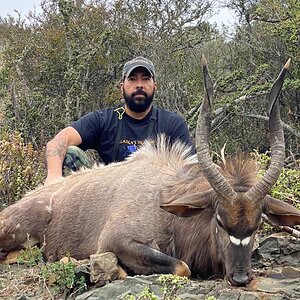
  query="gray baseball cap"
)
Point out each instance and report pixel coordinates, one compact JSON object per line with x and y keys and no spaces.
{"x":138,"y":62}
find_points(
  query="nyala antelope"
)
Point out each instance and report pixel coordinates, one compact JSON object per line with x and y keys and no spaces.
{"x":161,"y":211}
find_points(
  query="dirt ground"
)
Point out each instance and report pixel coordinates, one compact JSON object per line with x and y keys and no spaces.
{"x":20,"y":282}
{"x":17,"y":280}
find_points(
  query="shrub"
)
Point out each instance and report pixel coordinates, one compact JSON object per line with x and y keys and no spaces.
{"x":171,"y":284}
{"x":62,"y":276}
{"x":146,"y":294}
{"x":21,"y":168}
{"x":287,"y":187}
{"x":31,"y":256}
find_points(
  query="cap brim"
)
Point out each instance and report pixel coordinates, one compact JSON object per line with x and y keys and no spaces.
{"x":138,"y":66}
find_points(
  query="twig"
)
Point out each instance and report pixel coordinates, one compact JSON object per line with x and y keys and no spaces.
{"x":284,"y":125}
{"x":51,"y":296}
{"x":292,"y":231}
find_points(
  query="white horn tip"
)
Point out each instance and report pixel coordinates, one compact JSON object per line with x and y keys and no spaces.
{"x":203,"y":60}
{"x":287,"y":64}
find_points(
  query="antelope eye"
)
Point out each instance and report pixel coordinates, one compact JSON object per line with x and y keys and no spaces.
{"x":220,"y":224}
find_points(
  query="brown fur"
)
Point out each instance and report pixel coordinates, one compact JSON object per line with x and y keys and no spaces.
{"x":116,"y":208}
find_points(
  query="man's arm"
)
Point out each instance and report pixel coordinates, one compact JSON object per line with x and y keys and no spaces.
{"x":56,"y":150}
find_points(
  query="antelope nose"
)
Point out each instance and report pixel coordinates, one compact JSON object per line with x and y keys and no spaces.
{"x":240,"y":279}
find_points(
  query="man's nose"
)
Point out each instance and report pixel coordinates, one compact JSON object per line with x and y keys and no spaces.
{"x":139,"y":84}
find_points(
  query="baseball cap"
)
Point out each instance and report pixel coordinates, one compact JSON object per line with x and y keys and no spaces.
{"x":138,"y":62}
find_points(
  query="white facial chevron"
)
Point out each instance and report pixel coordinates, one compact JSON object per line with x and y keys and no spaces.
{"x":243,"y":242}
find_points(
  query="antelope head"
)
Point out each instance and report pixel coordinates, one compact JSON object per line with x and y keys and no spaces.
{"x":238,"y":210}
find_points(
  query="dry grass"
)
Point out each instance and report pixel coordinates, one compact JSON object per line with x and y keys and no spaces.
{"x":18,"y":280}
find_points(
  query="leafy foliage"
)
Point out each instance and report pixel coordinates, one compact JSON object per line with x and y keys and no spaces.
{"x":21,"y":168}
{"x":171,"y":285}
{"x":287,"y":188}
{"x":31,"y":256}
{"x":67,"y":61}
{"x":146,"y":294}
{"x":61,"y":276}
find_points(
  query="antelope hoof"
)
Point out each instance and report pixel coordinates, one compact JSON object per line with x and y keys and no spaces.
{"x":122,"y":273}
{"x":11,"y":258}
{"x":182,"y":269}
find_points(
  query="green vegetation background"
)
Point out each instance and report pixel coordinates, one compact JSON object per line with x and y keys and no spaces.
{"x":66,"y":61}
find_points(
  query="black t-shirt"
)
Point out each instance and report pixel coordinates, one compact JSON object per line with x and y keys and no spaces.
{"x":98,"y":131}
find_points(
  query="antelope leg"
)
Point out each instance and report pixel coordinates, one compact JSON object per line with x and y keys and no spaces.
{"x":142,"y":259}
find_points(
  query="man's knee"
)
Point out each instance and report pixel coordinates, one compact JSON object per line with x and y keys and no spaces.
{"x":75,"y":159}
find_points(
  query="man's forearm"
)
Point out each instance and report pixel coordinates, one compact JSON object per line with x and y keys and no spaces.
{"x":56,"y":150}
{"x":54,"y":156}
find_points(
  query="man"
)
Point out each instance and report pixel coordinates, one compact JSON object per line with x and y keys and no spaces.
{"x":116,"y":133}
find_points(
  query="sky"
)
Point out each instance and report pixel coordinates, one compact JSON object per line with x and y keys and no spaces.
{"x":222,"y":16}
{"x":7,"y":7}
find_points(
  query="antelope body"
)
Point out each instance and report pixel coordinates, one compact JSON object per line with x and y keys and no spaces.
{"x":161,"y":211}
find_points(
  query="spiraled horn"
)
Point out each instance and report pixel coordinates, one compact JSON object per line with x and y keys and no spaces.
{"x":209,"y":169}
{"x":264,"y":185}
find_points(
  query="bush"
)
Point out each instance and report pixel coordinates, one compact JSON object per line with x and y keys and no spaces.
{"x":21,"y":168}
{"x":171,"y":284}
{"x":61,"y":277}
{"x":30,"y":256}
{"x":287,"y":187}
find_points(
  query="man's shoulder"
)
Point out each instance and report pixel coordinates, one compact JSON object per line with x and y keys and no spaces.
{"x":165,"y":113}
{"x":102,"y":113}
{"x":100,"y":117}
{"x":107,"y":110}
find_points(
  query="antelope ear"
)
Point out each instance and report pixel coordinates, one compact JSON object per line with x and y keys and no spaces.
{"x":281,"y":213}
{"x":189,"y":205}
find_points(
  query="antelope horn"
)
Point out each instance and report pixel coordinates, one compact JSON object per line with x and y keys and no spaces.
{"x":264,"y":185}
{"x":209,"y":169}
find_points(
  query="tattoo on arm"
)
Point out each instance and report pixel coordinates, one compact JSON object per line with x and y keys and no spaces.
{"x":58,"y":150}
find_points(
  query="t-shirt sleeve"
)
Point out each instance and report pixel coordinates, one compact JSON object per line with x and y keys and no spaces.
{"x":179,"y":131}
{"x":89,"y":129}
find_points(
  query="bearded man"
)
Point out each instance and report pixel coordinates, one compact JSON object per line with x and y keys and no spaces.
{"x":117,"y":132}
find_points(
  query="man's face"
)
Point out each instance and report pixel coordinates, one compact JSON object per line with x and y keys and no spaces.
{"x":138,"y":89}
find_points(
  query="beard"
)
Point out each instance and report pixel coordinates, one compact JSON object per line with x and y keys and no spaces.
{"x":138,"y":104}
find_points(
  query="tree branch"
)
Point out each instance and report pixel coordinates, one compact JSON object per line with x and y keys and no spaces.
{"x":285,"y":126}
{"x":268,"y":20}
{"x":219,"y":113}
